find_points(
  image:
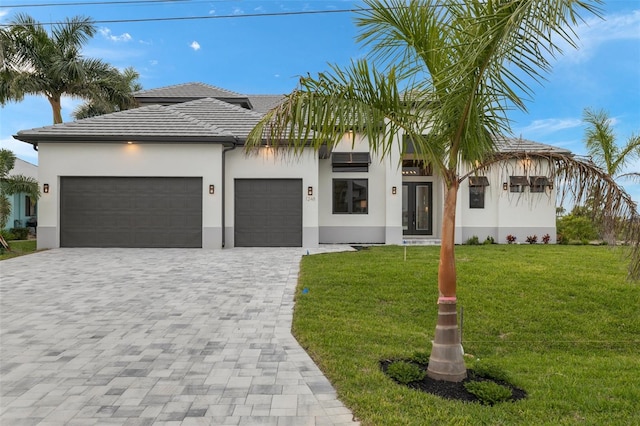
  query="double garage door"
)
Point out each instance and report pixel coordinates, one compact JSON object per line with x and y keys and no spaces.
{"x":167,"y":212}
{"x":131,"y":212}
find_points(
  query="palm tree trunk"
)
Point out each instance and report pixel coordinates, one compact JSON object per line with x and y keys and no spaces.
{"x":446,"y":361}
{"x":56,"y":106}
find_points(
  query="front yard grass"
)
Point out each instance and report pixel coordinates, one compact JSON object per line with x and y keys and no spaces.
{"x":18,"y":248}
{"x":561,"y":321}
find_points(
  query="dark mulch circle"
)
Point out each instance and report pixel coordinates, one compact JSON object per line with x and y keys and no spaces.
{"x":454,"y":390}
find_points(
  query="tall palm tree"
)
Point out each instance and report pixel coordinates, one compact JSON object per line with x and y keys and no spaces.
{"x":117,"y":96}
{"x":600,"y":140}
{"x":35,"y":62}
{"x":448,"y":72}
{"x":13,"y":184}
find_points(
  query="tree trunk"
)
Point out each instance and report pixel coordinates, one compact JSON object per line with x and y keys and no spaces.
{"x":446,"y":361}
{"x":56,"y":106}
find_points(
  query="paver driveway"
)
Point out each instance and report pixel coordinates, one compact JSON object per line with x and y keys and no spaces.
{"x":157,"y":336}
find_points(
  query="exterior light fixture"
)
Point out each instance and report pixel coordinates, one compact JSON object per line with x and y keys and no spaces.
{"x":504,"y":186}
{"x":45,"y":188}
{"x":394,"y":190}
{"x":212,"y":189}
{"x":550,"y":185}
{"x":310,"y":190}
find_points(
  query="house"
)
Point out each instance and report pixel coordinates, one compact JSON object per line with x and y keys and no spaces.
{"x":173,"y":173}
{"x":23,"y":208}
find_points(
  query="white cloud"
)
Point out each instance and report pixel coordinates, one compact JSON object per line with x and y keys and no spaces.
{"x":550,"y":125}
{"x":4,"y":12}
{"x":212,"y":12}
{"x":195,"y":45}
{"x":153,"y":62}
{"x":22,"y":150}
{"x":106,"y":33}
{"x":595,"y":32}
{"x":238,"y":11}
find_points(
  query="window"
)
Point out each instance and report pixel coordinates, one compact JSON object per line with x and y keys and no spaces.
{"x":476,"y":191}
{"x":518,"y":183}
{"x":538,"y":183}
{"x":350,"y":161}
{"x":350,"y":196}
{"x":29,"y":206}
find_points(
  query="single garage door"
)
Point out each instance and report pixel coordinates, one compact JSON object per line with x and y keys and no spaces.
{"x":268,"y":213}
{"x":130,"y":212}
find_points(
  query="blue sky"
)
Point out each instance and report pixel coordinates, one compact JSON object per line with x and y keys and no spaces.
{"x":266,"y":54}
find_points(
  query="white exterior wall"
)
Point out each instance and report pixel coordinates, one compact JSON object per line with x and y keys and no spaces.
{"x":383,"y":221}
{"x":268,"y":165}
{"x":136,"y":160}
{"x":519,"y":214}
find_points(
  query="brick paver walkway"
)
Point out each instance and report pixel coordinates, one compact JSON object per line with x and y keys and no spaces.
{"x":157,"y":336}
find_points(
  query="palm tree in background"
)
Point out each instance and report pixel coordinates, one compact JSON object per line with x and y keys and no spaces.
{"x":13,"y":184}
{"x":444,"y":74}
{"x":35,"y":62}
{"x":116,"y":97}
{"x":600,"y":140}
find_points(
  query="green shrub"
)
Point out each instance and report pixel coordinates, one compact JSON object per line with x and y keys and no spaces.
{"x":488,"y":392}
{"x":19,"y":233}
{"x":473,"y":241}
{"x":421,"y":357}
{"x":489,"y":371}
{"x":576,"y":228}
{"x":405,"y":372}
{"x":489,"y":240}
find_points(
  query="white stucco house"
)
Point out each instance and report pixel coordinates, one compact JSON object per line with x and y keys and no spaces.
{"x":23,"y":207}
{"x":173,"y":173}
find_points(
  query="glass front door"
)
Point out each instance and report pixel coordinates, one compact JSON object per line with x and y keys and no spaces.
{"x":417,"y":215}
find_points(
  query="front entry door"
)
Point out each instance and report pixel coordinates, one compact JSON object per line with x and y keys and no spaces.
{"x":417,"y":214}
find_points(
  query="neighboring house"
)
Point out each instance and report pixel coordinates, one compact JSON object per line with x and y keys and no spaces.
{"x":173,"y":173}
{"x":23,"y":208}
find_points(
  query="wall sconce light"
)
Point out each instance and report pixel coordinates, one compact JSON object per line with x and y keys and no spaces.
{"x":45,"y":188}
{"x":394,"y":190}
{"x":212,"y":189}
{"x":504,"y":186}
{"x":310,"y":190}
{"x":550,"y":185}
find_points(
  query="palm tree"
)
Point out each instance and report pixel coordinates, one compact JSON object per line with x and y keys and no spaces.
{"x":13,"y":184}
{"x":35,"y":62}
{"x":117,"y":96}
{"x":601,"y":144}
{"x":447,"y":75}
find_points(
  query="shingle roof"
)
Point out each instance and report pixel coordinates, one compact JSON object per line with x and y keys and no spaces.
{"x":507,"y":144}
{"x":263,"y":103}
{"x":153,"y":122}
{"x":189,"y":90}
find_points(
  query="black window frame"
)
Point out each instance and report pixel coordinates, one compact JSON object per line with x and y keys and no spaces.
{"x":518,"y":184}
{"x":29,"y":207}
{"x":477,"y":192}
{"x":538,"y":183}
{"x":349,"y":201}
{"x":350,"y":161}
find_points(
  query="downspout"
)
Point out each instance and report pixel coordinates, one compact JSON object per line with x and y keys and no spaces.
{"x":224,"y":152}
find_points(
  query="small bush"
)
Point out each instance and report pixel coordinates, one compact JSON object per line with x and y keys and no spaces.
{"x":19,"y":233}
{"x":473,"y":241}
{"x":421,"y":357}
{"x":405,"y":372}
{"x":546,"y":238}
{"x":511,"y":239}
{"x":490,"y":371}
{"x":532,"y":239}
{"x":489,"y":240}
{"x":488,"y":392}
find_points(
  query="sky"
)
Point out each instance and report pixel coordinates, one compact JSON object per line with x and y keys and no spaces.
{"x":263,"y":47}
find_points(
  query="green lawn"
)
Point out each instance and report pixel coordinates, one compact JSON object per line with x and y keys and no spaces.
{"x":18,"y":248}
{"x":561,"y":321}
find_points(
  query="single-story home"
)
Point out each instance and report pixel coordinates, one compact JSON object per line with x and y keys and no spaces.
{"x":173,"y":173}
{"x":23,"y":207}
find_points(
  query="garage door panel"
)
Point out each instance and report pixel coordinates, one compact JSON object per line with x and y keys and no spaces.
{"x":268,"y":212}
{"x":131,"y":212}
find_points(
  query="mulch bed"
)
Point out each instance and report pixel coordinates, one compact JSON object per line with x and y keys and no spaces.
{"x":454,"y":390}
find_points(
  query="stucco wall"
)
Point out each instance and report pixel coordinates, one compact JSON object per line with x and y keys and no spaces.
{"x":95,"y":159}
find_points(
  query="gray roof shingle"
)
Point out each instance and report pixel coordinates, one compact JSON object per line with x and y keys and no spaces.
{"x":189,"y":90}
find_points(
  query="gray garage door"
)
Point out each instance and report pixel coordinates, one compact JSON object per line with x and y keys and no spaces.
{"x":268,"y":213}
{"x":130,"y":212}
